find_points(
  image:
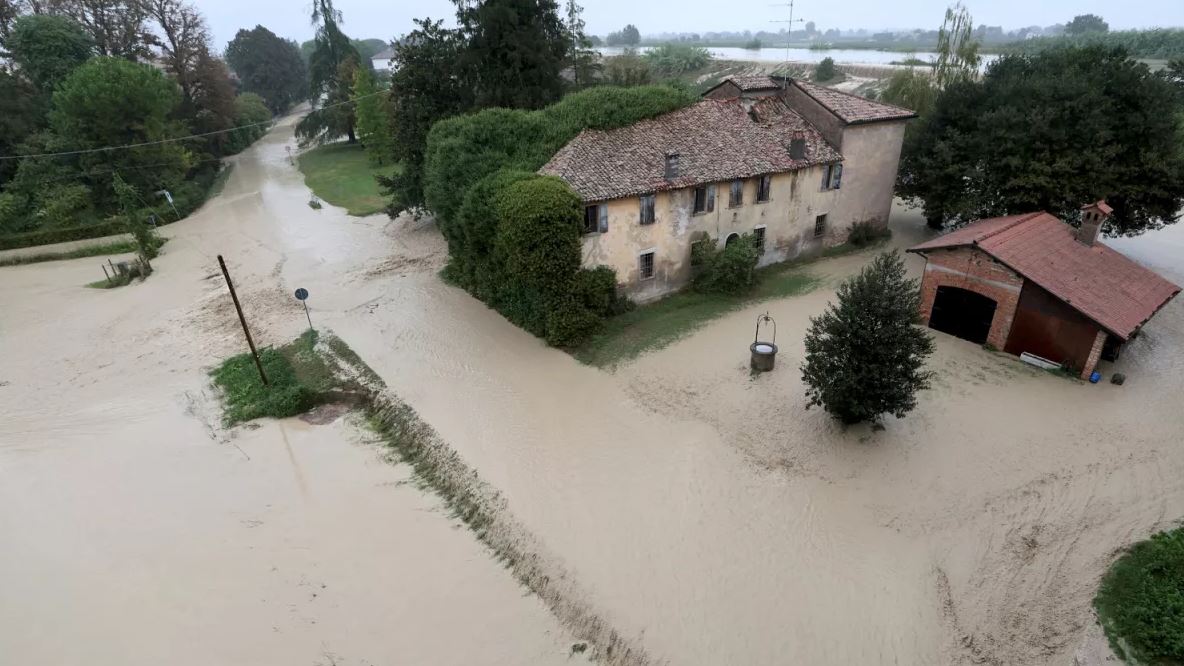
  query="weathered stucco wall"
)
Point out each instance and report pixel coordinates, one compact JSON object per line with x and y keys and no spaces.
{"x":788,"y":217}
{"x":871,"y":156}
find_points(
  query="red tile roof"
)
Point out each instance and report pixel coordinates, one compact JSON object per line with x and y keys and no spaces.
{"x":716,"y":141}
{"x":754,"y":82}
{"x":1097,"y":281}
{"x":852,"y":109}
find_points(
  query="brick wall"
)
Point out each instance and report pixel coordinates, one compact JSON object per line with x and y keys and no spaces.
{"x":975,"y":271}
{"x":1094,"y":354}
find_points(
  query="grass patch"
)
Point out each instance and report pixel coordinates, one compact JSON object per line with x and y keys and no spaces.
{"x":299,"y":379}
{"x":656,"y":325}
{"x":341,"y":174}
{"x":117,"y":247}
{"x":1141,"y":601}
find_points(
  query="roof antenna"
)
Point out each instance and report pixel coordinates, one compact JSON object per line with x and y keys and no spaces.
{"x":788,"y":37}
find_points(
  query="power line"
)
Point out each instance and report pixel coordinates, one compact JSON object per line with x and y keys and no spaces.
{"x":174,"y":140}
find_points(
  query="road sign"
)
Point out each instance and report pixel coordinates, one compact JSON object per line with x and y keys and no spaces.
{"x":301,"y":294}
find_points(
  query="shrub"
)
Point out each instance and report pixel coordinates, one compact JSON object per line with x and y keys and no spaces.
{"x":106,"y":228}
{"x":1141,"y":600}
{"x":731,"y":270}
{"x":596,"y":288}
{"x":864,"y":356}
{"x":675,"y":59}
{"x":569,"y":323}
{"x":867,"y":233}
{"x":825,"y":71}
{"x":471,"y":235}
{"x":538,"y":233}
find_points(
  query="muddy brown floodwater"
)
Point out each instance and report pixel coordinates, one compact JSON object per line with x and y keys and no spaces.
{"x":705,"y":515}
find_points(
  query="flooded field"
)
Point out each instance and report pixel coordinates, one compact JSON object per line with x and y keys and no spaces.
{"x":706,"y":515}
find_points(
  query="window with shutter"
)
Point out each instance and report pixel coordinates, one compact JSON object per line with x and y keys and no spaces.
{"x":837,"y":179}
{"x":764,"y":188}
{"x":647,"y":208}
{"x":591,"y":219}
{"x":700,"y":205}
{"x":602,"y":221}
{"x":736,"y":196}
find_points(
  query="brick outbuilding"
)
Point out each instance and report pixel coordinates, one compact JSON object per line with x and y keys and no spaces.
{"x":1033,"y":284}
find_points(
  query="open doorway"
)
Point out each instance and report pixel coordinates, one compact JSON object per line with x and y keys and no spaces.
{"x":962,"y":313}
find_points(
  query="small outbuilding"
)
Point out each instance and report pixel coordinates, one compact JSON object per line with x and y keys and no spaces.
{"x":1033,"y":284}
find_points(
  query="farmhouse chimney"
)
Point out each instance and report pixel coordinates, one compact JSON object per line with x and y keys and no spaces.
{"x":1093,"y":216}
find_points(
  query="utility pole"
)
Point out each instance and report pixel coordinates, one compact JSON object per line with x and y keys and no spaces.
{"x":243,"y":320}
{"x":788,"y":38}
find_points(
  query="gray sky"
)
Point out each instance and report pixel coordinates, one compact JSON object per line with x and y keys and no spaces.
{"x":385,"y":19}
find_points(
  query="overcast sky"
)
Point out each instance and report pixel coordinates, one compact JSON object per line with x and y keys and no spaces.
{"x":385,"y":19}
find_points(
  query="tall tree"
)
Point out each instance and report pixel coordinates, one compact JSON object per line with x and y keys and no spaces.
{"x":47,"y":48}
{"x":957,"y":49}
{"x":269,"y":66}
{"x":516,"y":50}
{"x":331,"y":75}
{"x":1084,"y":24}
{"x":117,"y":26}
{"x":429,"y":83}
{"x":585,"y":63}
{"x":864,"y":355}
{"x":1050,"y":131}
{"x":372,"y":108}
{"x":22,"y":112}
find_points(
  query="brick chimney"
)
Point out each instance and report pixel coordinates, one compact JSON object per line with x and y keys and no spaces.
{"x":1093,"y":216}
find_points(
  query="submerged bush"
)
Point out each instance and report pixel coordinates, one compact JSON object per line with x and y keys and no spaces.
{"x":1141,"y":600}
{"x":866,"y":233}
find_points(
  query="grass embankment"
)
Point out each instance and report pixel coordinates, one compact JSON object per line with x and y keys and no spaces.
{"x":656,"y":325}
{"x":341,"y":174}
{"x":299,"y":378}
{"x":1141,"y":601}
{"x":117,"y":247}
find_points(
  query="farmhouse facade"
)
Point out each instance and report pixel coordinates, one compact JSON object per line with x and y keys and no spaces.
{"x":791,"y":163}
{"x":1032,"y":284}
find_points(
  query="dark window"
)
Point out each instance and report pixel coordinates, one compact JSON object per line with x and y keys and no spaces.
{"x":705,"y":198}
{"x":832,"y":176}
{"x":595,"y":219}
{"x":646,"y":264}
{"x":759,"y":237}
{"x":732,"y":238}
{"x":820,"y":225}
{"x":736,"y":197}
{"x":764,"y":188}
{"x":647,"y":208}
{"x":672,"y":166}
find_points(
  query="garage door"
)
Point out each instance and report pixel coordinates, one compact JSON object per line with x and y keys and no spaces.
{"x":962,"y":313}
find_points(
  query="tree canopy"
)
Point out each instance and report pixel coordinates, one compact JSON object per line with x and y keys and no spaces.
{"x":331,"y":68}
{"x":1083,"y":24}
{"x":864,"y":355}
{"x":627,"y":36}
{"x":269,"y":66}
{"x":47,"y":48}
{"x":516,"y":50}
{"x":1050,"y":131}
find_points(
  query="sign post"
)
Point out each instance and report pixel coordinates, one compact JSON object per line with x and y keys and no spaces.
{"x":302,"y":296}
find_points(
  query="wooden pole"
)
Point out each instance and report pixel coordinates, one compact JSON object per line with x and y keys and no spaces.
{"x":242,"y":320}
{"x":105,"y":273}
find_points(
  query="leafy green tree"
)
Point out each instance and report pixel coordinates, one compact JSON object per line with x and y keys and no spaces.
{"x":516,"y":50}
{"x":957,"y":49}
{"x":585,"y":63}
{"x":864,"y":355}
{"x":331,"y":69}
{"x":825,"y":71}
{"x":22,"y":112}
{"x":250,"y":116}
{"x":1048,"y":132}
{"x":47,"y":48}
{"x":1084,"y":24}
{"x":429,"y":83}
{"x":112,"y":102}
{"x":628,"y":36}
{"x":116,"y":26}
{"x":368,"y":48}
{"x":731,"y":270}
{"x":373,"y":113}
{"x":269,"y":66}
{"x":910,"y":89}
{"x":676,"y":59}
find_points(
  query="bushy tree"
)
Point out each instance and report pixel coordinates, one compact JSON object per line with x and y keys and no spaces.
{"x":250,"y":115}
{"x":676,"y":59}
{"x":269,"y":66}
{"x":1050,"y":131}
{"x":957,"y":49}
{"x":825,"y":70}
{"x":627,"y":36}
{"x":373,"y":113}
{"x":331,"y":70}
{"x":429,"y":83}
{"x":516,"y":50}
{"x":47,"y":48}
{"x":22,"y":112}
{"x":911,"y":90}
{"x":731,"y":270}
{"x":116,"y":26}
{"x":627,"y":69}
{"x":864,"y":355}
{"x":1084,"y":24}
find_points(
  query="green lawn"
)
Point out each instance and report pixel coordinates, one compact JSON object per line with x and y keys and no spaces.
{"x":1140,"y":602}
{"x":340,"y":174}
{"x":656,"y":325}
{"x":297,"y":376}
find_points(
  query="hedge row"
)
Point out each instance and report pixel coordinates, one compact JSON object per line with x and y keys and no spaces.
{"x":50,"y":236}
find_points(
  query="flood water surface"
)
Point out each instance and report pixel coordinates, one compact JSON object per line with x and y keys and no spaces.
{"x":702,"y":512}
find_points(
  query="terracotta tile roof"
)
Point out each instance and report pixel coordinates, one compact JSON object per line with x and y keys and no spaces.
{"x":753,"y":82}
{"x":1097,"y":281}
{"x":716,"y":141}
{"x":853,"y":109}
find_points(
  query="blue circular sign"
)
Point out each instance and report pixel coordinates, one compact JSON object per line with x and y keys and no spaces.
{"x":301,"y":294}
